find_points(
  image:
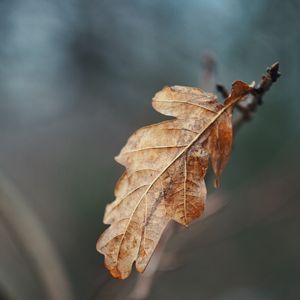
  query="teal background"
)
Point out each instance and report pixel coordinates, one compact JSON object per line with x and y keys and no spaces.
{"x":77,"y":78}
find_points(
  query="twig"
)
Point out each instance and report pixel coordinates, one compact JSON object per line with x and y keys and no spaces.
{"x":267,"y":80}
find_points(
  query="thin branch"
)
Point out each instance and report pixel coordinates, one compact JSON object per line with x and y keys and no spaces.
{"x":267,"y":80}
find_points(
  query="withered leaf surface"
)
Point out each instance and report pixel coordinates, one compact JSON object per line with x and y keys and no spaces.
{"x":165,"y":168}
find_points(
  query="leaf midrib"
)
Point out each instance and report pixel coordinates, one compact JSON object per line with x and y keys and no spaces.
{"x":218,"y":114}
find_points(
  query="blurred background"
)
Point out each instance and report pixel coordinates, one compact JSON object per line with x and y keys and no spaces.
{"x":77,"y":78}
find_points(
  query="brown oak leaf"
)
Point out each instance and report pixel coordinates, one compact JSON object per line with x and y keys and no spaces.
{"x":166,"y":164}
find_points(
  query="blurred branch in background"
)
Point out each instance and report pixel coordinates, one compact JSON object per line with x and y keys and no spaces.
{"x":144,"y":281}
{"x":29,"y":237}
{"x":209,"y":71}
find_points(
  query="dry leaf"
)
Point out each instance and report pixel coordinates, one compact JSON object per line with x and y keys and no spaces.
{"x":165,"y":168}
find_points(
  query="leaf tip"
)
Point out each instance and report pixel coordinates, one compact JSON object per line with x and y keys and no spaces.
{"x":117,"y":158}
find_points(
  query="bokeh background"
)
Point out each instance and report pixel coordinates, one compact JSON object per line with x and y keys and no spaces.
{"x":77,"y":78}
